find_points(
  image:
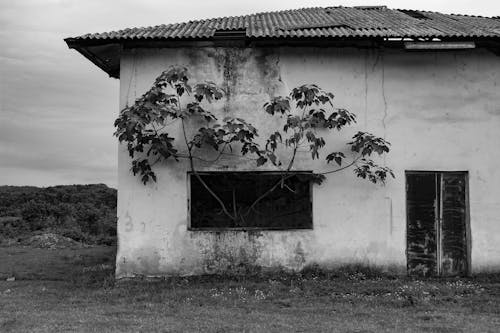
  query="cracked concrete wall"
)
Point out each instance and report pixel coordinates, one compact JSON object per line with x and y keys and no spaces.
{"x":440,"y":111}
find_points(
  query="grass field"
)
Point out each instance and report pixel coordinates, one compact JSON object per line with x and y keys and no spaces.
{"x":73,"y":290}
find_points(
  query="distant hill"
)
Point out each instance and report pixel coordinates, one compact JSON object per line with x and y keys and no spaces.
{"x":82,"y":212}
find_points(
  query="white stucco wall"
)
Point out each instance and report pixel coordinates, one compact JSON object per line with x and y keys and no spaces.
{"x":440,"y":111}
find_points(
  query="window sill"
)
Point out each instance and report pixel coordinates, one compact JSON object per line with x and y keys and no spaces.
{"x":249,"y":229}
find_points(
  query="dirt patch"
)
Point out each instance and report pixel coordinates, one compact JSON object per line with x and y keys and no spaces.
{"x":52,"y":241}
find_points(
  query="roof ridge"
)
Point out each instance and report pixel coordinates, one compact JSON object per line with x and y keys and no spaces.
{"x":469,"y":15}
{"x":435,"y":12}
{"x":163,"y":25}
{"x":288,"y":11}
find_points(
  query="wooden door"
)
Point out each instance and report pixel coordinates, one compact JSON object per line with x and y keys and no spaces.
{"x":436,"y":223}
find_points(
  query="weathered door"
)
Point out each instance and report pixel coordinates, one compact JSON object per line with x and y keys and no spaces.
{"x":436,"y":223}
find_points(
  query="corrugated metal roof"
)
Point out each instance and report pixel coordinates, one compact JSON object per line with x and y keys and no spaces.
{"x":347,"y":24}
{"x":342,"y":22}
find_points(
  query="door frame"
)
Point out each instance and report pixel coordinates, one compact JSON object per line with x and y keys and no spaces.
{"x":468,"y":240}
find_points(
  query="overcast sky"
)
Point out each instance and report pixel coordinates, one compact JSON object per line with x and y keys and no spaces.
{"x":57,"y":108}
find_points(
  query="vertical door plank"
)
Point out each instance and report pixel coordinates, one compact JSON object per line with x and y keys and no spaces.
{"x":453,"y":225}
{"x":421,"y":199}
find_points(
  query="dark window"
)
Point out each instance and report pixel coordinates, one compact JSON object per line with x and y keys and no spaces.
{"x":288,"y":206}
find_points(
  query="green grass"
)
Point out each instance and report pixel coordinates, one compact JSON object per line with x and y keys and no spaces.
{"x":73,"y":290}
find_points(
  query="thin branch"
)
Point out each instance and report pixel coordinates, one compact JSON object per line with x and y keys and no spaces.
{"x":186,"y":139}
{"x":343,"y":168}
{"x":288,"y":187}
{"x":265,"y":194}
{"x":297,"y":144}
{"x":221,"y":152}
{"x":157,"y":160}
{"x":218,"y":157}
{"x":290,"y":164}
{"x":234,"y":203}
{"x":182,"y":156}
{"x":154,"y":129}
{"x":241,"y":156}
{"x":191,"y":164}
{"x":285,"y":175}
{"x":168,"y":124}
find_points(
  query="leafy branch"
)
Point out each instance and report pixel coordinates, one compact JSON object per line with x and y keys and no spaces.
{"x":306,"y":114}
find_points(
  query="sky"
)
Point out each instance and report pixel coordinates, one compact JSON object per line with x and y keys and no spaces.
{"x":57,"y":108}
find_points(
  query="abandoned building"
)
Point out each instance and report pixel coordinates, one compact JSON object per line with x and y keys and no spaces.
{"x":427,"y":82}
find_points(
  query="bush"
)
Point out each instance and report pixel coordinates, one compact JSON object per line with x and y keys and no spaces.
{"x":13,"y":227}
{"x":85,"y":213}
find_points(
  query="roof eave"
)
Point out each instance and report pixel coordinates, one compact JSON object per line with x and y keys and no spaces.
{"x":112,"y":68}
{"x":105,"y":53}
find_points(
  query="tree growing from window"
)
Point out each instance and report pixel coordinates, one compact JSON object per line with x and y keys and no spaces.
{"x":307,"y":114}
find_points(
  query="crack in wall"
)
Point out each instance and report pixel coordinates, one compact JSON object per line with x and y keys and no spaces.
{"x":384,"y":97}
{"x":133,"y":74}
{"x":278,"y":59}
{"x":366,"y":89}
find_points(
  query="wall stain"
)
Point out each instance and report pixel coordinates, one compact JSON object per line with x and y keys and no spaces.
{"x":140,"y":261}
{"x":230,"y":62}
{"x":268,"y":64}
{"x":300,"y":255}
{"x":230,"y":251}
